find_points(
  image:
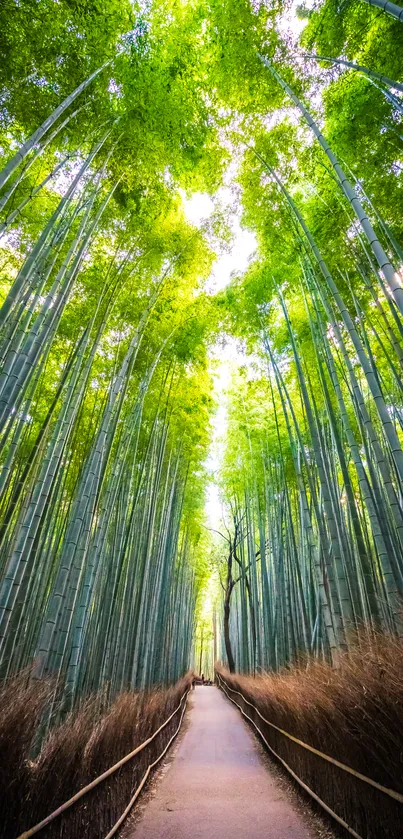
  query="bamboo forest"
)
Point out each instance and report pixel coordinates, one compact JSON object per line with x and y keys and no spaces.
{"x":201,"y":343}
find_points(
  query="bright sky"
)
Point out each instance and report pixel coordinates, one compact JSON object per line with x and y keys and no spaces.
{"x":290,"y":24}
{"x":225,"y":359}
{"x":198,"y":208}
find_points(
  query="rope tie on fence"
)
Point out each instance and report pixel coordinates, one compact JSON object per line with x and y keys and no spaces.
{"x":392,"y":794}
{"x":111,"y":771}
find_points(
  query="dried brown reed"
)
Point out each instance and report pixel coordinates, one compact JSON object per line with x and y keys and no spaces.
{"x":83,"y":746}
{"x":21,"y":704}
{"x":354,"y":714}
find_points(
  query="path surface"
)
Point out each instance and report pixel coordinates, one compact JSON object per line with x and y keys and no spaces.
{"x":218,"y":785}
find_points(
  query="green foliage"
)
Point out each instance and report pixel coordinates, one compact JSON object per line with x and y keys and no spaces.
{"x":106,"y":329}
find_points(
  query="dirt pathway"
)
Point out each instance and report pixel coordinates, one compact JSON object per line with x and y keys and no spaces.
{"x":218,"y":784}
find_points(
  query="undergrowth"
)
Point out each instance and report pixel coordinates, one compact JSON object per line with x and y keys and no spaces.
{"x":83,"y":746}
{"x":354,"y":714}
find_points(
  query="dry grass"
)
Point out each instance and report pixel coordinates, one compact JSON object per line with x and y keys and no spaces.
{"x":21,"y":705}
{"x":355,"y":715}
{"x":87,"y":743}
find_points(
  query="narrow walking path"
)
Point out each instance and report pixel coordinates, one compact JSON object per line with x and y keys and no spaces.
{"x":218,"y":785}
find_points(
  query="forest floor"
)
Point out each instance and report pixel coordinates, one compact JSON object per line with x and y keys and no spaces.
{"x":221,"y":783}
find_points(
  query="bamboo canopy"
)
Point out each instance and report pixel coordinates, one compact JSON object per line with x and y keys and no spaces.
{"x":108,"y":325}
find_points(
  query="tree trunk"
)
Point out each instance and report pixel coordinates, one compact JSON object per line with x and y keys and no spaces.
{"x":201,"y":651}
{"x":228,"y":648}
